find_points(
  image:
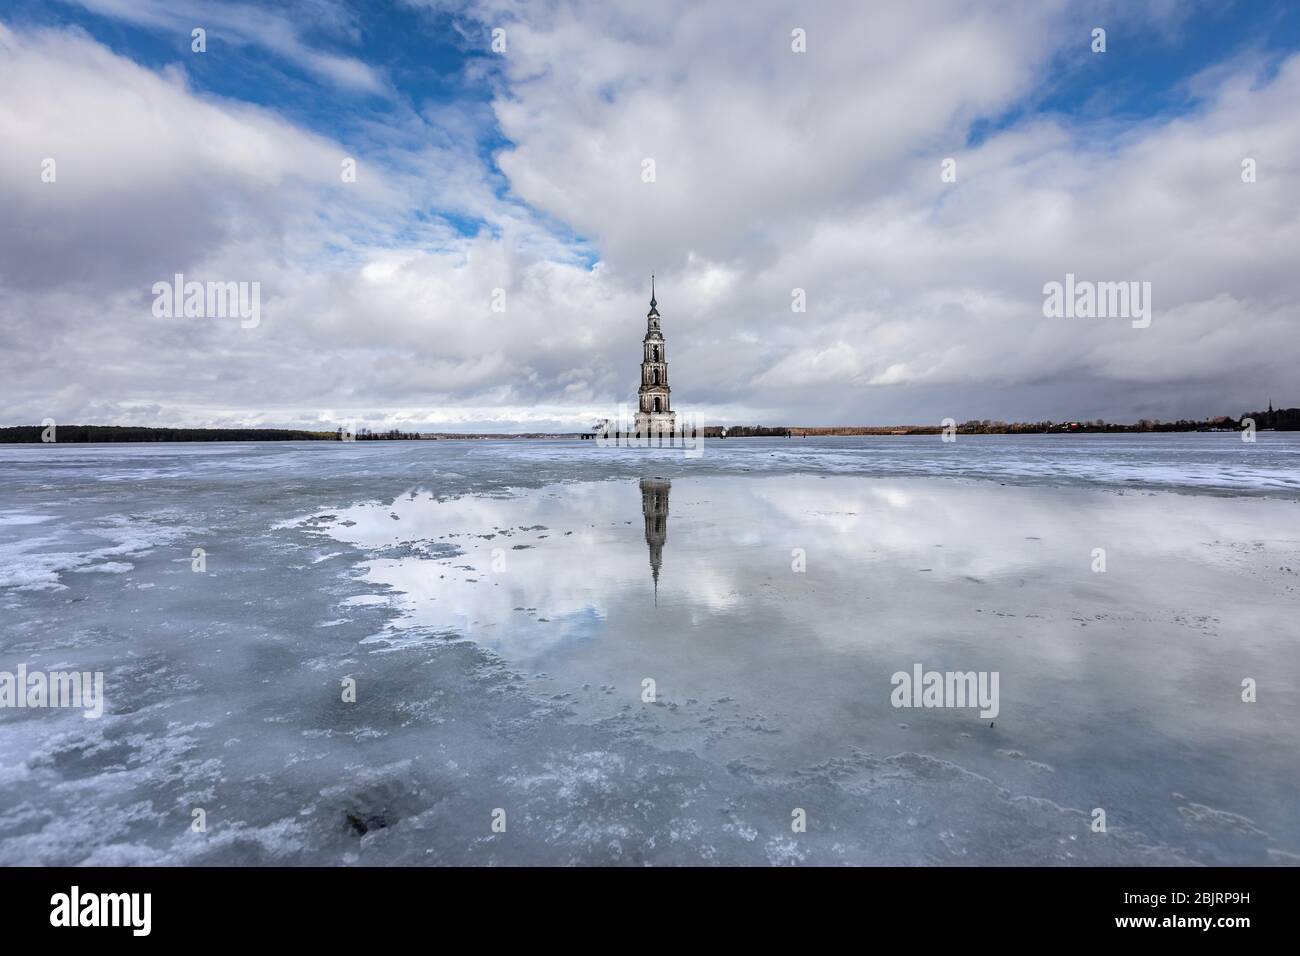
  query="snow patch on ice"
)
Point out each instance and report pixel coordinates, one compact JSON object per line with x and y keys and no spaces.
{"x":109,"y":567}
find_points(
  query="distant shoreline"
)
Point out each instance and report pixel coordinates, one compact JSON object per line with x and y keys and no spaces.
{"x":1283,"y":420}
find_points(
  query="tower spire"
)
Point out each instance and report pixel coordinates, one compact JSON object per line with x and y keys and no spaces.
{"x":653,"y":303}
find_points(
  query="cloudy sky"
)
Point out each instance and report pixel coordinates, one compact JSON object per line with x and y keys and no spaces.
{"x":524,"y":170}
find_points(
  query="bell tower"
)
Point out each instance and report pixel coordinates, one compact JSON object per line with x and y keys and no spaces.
{"x":654,"y":410}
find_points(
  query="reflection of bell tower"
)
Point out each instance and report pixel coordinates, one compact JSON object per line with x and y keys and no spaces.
{"x":654,"y":507}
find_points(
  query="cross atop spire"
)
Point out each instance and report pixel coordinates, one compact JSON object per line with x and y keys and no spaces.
{"x":653,"y":314}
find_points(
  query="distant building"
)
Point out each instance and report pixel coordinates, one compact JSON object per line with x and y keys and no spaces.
{"x":1279,"y":419}
{"x":654,"y":413}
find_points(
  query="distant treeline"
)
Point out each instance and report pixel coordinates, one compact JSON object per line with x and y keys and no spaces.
{"x":71,"y":434}
{"x":746,"y":431}
{"x":365,"y":434}
{"x":1282,"y":419}
{"x":115,"y":433}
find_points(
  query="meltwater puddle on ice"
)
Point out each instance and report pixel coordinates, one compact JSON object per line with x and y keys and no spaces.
{"x":597,"y":588}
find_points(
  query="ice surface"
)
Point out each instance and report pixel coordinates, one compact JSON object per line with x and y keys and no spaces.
{"x":496,"y":606}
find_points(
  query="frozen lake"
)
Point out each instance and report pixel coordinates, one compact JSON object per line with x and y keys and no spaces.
{"x":501,"y":607}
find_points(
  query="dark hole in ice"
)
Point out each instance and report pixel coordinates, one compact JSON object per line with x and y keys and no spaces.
{"x":363,"y":823}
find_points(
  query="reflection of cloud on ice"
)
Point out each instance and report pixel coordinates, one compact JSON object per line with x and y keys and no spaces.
{"x":898,"y":570}
{"x":527,"y":577}
{"x":869,"y":521}
{"x":892,"y":496}
{"x":540,"y":568}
